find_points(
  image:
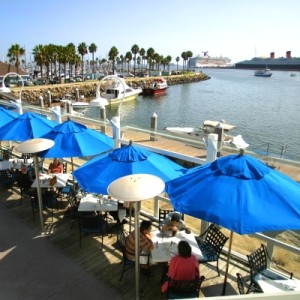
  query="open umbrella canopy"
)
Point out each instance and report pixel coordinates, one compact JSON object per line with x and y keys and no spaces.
{"x":240,"y":193}
{"x":25,"y":127}
{"x":96,"y":175}
{"x":6,"y":116}
{"x":76,"y":140}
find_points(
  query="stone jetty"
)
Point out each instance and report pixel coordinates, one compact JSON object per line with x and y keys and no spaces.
{"x":31,"y":94}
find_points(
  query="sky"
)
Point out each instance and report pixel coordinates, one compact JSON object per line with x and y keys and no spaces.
{"x":237,"y":29}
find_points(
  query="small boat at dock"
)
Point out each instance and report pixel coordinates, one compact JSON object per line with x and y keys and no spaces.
{"x":158,"y":86}
{"x":208,"y":126}
{"x":68,"y":98}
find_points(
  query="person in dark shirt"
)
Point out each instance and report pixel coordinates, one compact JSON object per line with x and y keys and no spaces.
{"x":25,"y":181}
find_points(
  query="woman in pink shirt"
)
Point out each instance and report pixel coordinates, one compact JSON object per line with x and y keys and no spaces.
{"x":183,"y":266}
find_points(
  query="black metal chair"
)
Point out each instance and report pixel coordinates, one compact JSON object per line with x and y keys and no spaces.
{"x":72,"y":209}
{"x":258,"y":263}
{"x":126,"y":262}
{"x":49,"y":202}
{"x":212,"y":245}
{"x":6,"y":179}
{"x":244,"y":287}
{"x":88,"y":224}
{"x":183,"y":289}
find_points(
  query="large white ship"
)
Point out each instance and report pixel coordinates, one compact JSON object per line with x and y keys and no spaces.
{"x":207,"y":61}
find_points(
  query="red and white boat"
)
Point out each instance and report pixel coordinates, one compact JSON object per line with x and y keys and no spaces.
{"x":158,"y":86}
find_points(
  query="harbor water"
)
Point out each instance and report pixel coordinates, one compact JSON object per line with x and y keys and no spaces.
{"x":265,"y":110}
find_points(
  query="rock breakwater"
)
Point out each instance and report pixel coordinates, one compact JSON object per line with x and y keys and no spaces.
{"x":87,"y":89}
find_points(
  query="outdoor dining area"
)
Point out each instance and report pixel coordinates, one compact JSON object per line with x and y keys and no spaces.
{"x":98,"y":197}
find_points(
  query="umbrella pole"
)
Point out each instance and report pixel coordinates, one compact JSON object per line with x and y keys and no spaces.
{"x":37,"y":174}
{"x":227,"y":264}
{"x":137,"y":249}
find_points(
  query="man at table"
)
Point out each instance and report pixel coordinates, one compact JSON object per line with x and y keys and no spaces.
{"x":146,"y":244}
{"x":183,"y":266}
{"x":173,"y":222}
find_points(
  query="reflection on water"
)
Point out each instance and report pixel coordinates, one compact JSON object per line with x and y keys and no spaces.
{"x":265,"y":110}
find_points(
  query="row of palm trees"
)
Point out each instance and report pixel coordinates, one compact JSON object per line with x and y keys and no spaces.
{"x":52,"y":56}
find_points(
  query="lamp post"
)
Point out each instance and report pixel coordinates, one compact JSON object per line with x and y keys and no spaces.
{"x":102,"y":102}
{"x":4,"y":89}
{"x":136,"y":188}
{"x":34,"y":146}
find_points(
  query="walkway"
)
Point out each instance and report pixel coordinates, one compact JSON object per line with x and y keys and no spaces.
{"x":32,"y":268}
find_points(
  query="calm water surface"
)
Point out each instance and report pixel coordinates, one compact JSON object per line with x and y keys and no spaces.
{"x":265,"y":110}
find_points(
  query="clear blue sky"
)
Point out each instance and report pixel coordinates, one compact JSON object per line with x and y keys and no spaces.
{"x":238,"y":29}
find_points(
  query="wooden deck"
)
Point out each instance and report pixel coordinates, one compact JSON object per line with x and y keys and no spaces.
{"x":105,"y":264}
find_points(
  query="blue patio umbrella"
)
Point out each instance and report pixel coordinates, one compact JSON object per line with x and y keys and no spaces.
{"x":6,"y":116}
{"x":25,"y":127}
{"x":73,"y":139}
{"x":240,"y":193}
{"x":96,"y":175}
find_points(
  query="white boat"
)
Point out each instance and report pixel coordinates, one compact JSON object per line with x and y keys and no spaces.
{"x":68,"y":98}
{"x":208,"y":127}
{"x":114,"y":91}
{"x":263,"y":73}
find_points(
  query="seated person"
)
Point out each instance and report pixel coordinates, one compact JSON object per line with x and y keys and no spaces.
{"x":25,"y":181}
{"x":183,"y":266}
{"x":146,"y":243}
{"x":173,"y":223}
{"x":55,"y":167}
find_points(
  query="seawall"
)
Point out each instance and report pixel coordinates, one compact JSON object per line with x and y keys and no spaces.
{"x":31,"y":94}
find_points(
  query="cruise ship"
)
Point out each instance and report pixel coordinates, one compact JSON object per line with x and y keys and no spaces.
{"x":206,"y":61}
{"x":281,"y":63}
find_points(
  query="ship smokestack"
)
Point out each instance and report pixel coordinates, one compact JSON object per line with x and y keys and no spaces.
{"x":272,"y":55}
{"x":288,"y":54}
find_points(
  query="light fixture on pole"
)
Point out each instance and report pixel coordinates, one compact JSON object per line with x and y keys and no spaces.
{"x":4,"y":89}
{"x":135,"y":188}
{"x":102,"y":102}
{"x":35,"y":146}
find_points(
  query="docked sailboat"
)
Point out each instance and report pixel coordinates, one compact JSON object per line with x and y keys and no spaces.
{"x":117,"y":90}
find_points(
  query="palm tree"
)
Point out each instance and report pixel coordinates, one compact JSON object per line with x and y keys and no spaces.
{"x":122,"y":61}
{"x":184,"y":57}
{"x":82,"y":49}
{"x":128,"y":57}
{"x":189,"y":55}
{"x":135,"y":50}
{"x":93,"y":49}
{"x":14,"y":54}
{"x":142,"y":54}
{"x":177,"y":60}
{"x":150,"y":55}
{"x":112,"y":55}
{"x":39,"y":55}
{"x":157,"y":58}
{"x":169,"y":59}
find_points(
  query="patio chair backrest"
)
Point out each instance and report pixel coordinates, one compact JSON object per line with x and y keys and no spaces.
{"x":215,"y":238}
{"x":258,"y":260}
{"x":6,"y":178}
{"x":184,"y":288}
